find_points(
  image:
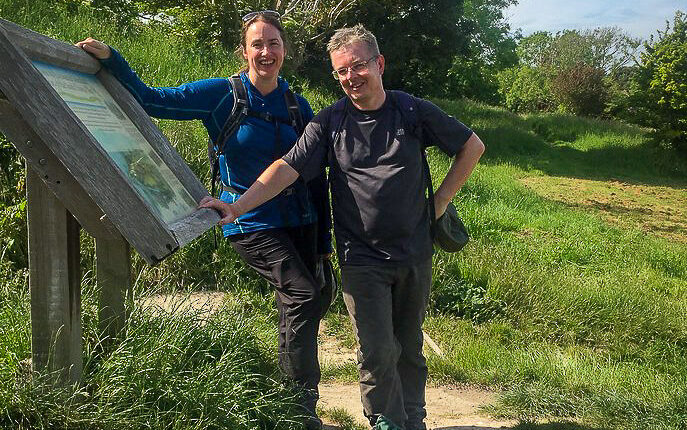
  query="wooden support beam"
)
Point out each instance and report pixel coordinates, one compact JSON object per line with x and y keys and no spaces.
{"x":54,"y":282}
{"x":113,"y":271}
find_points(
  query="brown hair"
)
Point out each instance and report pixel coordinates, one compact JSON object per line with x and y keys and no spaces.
{"x":274,"y":22}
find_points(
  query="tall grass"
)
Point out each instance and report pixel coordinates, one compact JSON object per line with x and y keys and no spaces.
{"x":171,"y":370}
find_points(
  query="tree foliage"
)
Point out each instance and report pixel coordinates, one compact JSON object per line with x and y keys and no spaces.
{"x":659,"y":93}
{"x":575,"y":65}
{"x":491,"y":48}
{"x":418,"y":38}
{"x":433,"y":47}
{"x":525,"y":89}
{"x":580,"y":89}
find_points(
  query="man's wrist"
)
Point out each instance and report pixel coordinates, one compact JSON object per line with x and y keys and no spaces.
{"x":237,"y":208}
{"x":442,"y":199}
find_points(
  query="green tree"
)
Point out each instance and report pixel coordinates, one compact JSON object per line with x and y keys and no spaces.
{"x":418,"y":38}
{"x":659,"y":94}
{"x":525,"y":89}
{"x":491,"y":48}
{"x":578,"y":66}
{"x":580,"y":89}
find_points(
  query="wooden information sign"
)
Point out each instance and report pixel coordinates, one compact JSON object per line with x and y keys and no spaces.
{"x":94,"y":160}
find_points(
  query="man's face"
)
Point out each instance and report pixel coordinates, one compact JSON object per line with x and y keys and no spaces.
{"x":363,"y":86}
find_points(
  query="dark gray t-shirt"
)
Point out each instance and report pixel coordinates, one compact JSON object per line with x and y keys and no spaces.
{"x":377,"y":178}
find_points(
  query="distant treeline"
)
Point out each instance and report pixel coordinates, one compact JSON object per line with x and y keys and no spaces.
{"x":456,"y":49}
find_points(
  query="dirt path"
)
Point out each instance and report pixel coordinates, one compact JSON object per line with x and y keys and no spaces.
{"x":456,"y":408}
{"x":448,"y":408}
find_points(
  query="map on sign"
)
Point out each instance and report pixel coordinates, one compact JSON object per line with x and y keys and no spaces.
{"x":132,"y":153}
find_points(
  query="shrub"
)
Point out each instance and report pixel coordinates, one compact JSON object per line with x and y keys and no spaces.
{"x":580,"y":90}
{"x":525,"y":89}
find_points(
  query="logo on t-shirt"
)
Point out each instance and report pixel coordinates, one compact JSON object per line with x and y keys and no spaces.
{"x":400,"y":132}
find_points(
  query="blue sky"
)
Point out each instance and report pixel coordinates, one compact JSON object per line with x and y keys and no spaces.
{"x":640,"y":18}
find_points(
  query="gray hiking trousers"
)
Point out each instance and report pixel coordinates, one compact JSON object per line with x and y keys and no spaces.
{"x":387,"y":307}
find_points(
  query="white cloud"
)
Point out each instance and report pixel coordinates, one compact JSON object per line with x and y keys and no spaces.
{"x":640,"y":18}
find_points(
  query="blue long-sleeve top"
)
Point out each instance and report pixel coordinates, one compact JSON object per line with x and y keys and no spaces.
{"x":248,"y":152}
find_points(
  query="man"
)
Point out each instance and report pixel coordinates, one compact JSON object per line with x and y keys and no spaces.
{"x":381,"y":221}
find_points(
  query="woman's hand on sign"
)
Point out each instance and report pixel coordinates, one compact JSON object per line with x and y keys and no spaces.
{"x":96,"y":48}
{"x":227,"y":211}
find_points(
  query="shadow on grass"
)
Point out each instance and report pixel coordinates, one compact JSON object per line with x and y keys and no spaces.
{"x":569,"y":146}
{"x":555,"y":426}
{"x":645,"y":163}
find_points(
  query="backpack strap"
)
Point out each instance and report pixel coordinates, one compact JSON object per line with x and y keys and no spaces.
{"x":412,"y":122}
{"x":238,"y":112}
{"x":336,"y":120}
{"x":294,"y":109}
{"x":410,"y":113}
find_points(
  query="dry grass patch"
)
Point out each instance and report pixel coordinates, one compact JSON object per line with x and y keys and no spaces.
{"x":657,"y":210}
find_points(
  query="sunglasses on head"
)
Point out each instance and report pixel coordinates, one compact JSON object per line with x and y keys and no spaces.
{"x":267,"y":13}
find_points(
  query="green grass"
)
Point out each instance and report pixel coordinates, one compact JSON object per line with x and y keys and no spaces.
{"x":574,"y":316}
{"x":179,"y":371}
{"x":578,"y":318}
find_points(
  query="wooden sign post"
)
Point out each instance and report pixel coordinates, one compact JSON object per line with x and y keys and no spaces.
{"x":95,"y":161}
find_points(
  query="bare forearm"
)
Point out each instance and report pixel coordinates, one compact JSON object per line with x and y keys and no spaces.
{"x":461,"y":168}
{"x":271,"y":182}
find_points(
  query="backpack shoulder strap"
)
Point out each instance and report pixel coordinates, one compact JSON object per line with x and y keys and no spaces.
{"x":294,"y":109}
{"x":238,"y":112}
{"x":410,"y":113}
{"x":412,"y":121}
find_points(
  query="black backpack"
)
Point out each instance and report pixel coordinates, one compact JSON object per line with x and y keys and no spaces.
{"x":239,"y":112}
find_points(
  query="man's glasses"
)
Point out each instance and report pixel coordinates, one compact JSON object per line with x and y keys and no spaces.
{"x":356,"y":68}
{"x":267,"y":13}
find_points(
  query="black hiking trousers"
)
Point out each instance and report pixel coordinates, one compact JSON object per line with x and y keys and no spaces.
{"x":287,"y":258}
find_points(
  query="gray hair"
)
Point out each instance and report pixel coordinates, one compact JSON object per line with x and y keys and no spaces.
{"x":348,"y":35}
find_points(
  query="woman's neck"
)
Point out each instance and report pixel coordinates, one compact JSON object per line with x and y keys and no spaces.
{"x":264,"y":85}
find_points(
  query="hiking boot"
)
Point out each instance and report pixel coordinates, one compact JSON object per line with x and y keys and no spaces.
{"x":384,"y":423}
{"x":313,"y":423}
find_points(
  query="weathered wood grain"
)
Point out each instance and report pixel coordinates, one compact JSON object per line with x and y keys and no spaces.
{"x":68,"y":139}
{"x":113,"y":274}
{"x":42,"y":48}
{"x":54,"y":282}
{"x":189,"y":228}
{"x":53,"y":173}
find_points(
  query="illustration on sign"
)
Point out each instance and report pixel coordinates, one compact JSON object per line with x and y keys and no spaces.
{"x":132,"y":153}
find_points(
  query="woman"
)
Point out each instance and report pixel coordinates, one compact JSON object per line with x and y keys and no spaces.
{"x":280,"y":239}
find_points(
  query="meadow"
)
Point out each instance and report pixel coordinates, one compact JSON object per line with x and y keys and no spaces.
{"x":570,"y":299}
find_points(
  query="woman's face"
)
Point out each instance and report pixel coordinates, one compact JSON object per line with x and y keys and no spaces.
{"x":264,"y":50}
